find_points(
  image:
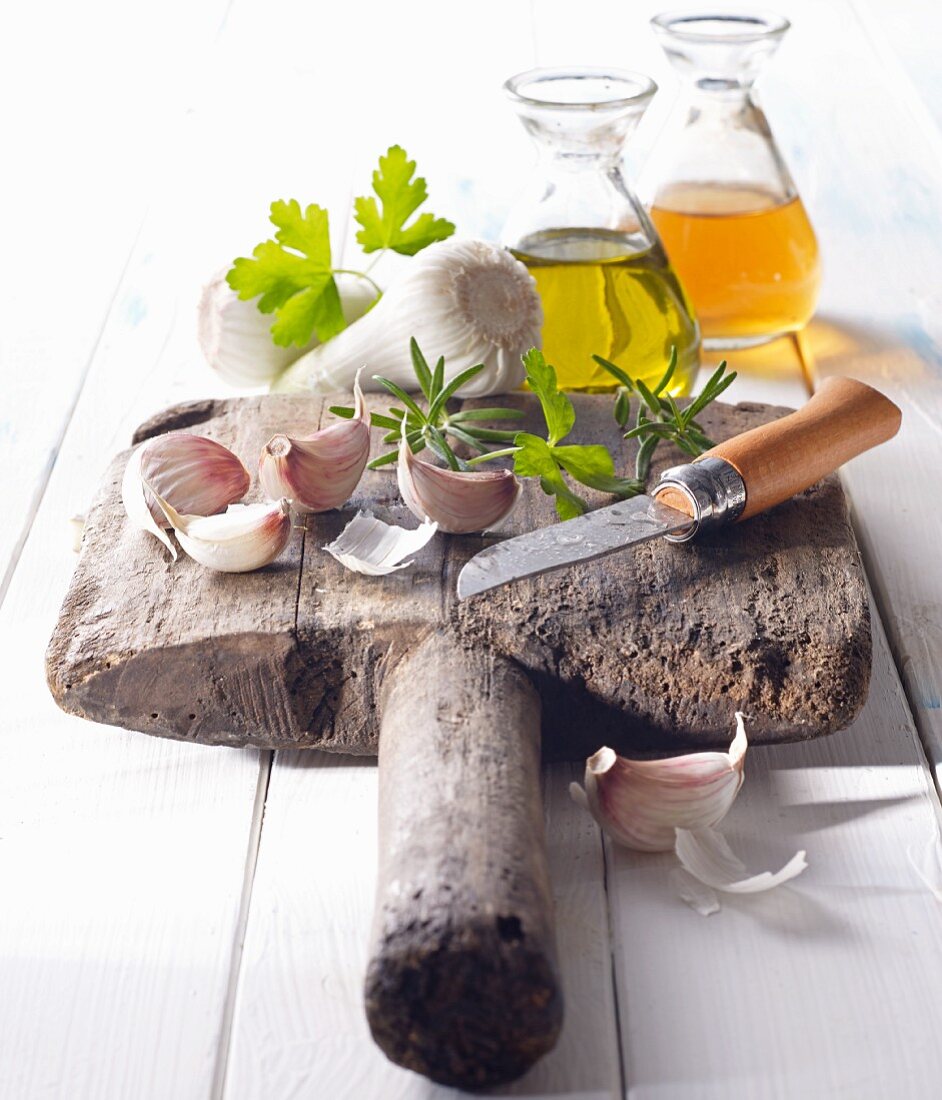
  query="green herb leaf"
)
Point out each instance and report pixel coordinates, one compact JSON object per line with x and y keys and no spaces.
{"x":592,"y":465}
{"x":557,"y":408}
{"x":400,"y":196}
{"x":292,"y":276}
{"x":535,"y":459}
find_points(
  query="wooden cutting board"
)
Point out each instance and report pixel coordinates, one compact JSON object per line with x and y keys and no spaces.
{"x":653,"y":648}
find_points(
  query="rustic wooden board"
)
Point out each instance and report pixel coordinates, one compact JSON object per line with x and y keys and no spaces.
{"x":650,"y":649}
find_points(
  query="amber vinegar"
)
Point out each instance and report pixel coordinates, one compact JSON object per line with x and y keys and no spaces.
{"x":599,"y":297}
{"x":748,"y":259}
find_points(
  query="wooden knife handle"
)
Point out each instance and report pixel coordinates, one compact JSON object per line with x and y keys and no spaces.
{"x":462,"y":983}
{"x":843,"y":419}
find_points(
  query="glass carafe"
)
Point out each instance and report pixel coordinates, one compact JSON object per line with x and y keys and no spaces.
{"x":604,"y":278}
{"x":723,"y":200}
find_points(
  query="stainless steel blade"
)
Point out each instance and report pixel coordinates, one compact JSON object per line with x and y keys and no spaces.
{"x":593,"y":535}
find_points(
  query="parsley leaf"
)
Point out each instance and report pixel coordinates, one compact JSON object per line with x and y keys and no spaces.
{"x":535,"y":459}
{"x":590,"y":465}
{"x":400,"y":196}
{"x":557,"y":408}
{"x":292,"y":276}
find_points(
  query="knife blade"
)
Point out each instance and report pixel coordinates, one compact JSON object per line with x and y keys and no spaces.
{"x":733,"y":481}
{"x":593,"y":535}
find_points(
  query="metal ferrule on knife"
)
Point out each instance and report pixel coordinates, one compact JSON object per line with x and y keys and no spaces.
{"x":714,"y":489}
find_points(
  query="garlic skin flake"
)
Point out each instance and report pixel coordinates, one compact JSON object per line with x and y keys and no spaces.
{"x":707,"y":856}
{"x":467,"y":300}
{"x":235,"y":337}
{"x":194,"y":475}
{"x":367,"y":545}
{"x":243,"y":538}
{"x":322,"y":471}
{"x":641,"y":803}
{"x":459,"y":502}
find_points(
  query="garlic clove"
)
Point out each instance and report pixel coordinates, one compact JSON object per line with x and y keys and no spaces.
{"x":322,"y":471}
{"x":367,"y":545}
{"x":642,"y":803}
{"x":235,"y":337}
{"x":707,"y":856}
{"x":469,"y":300}
{"x":195,"y":475}
{"x":459,"y":502}
{"x":243,"y":538}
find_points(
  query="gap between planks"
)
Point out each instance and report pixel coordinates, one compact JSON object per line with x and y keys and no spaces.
{"x":265,"y":764}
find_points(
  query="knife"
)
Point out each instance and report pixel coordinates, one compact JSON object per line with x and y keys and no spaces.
{"x":734,"y":481}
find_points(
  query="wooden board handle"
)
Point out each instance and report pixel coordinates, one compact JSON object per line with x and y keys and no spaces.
{"x":844,"y":418}
{"x":462,"y":983}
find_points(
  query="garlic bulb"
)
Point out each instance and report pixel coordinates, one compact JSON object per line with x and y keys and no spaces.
{"x":322,"y":471}
{"x":367,"y":545}
{"x":468,"y":301}
{"x":243,"y":538}
{"x":236,"y":338}
{"x":459,"y":502}
{"x":641,"y":803}
{"x":195,"y":475}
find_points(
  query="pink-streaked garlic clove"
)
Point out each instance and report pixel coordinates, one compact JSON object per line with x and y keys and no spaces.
{"x":243,"y":538}
{"x":460,"y":502}
{"x":322,"y":471}
{"x":642,"y":803}
{"x":195,"y":475}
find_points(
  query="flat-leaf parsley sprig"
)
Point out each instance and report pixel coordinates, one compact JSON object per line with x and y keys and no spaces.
{"x":292,"y":275}
{"x":549,"y":459}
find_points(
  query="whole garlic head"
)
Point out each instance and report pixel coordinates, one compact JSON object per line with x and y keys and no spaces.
{"x":467,"y":300}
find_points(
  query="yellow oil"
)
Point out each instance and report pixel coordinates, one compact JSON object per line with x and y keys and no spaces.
{"x":599,"y":297}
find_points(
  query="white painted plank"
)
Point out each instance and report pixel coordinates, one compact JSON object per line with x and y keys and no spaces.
{"x":300,"y":1026}
{"x":85,"y":147}
{"x":827,"y":987}
{"x":879,"y":218}
{"x":123,"y":858}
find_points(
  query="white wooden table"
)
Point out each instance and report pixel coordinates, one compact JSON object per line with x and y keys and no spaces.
{"x":189,"y":922}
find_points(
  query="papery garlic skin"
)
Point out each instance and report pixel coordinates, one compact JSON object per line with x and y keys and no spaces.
{"x":367,"y":545}
{"x":707,"y":856}
{"x":243,"y":538}
{"x":194,"y":475}
{"x":467,"y":300}
{"x":235,"y":337}
{"x":460,"y":502}
{"x":322,"y":471}
{"x":642,"y":803}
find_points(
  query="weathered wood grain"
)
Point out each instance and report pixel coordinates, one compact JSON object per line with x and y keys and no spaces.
{"x":649,"y":649}
{"x":462,"y":985}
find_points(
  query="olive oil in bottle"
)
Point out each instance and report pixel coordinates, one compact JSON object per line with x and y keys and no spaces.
{"x":602,"y":297}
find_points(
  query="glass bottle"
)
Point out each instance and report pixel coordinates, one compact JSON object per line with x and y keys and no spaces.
{"x":604,"y":278}
{"x":723,"y":200}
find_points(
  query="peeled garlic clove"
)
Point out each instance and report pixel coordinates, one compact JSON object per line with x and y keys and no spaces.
{"x":469,"y":300}
{"x":642,"y":803}
{"x":707,"y":856}
{"x":235,"y":337}
{"x":243,"y":538}
{"x":459,"y":502}
{"x":321,"y":472}
{"x":367,"y":545}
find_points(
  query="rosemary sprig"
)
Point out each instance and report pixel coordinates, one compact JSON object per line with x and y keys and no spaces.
{"x":433,"y":426}
{"x":659,"y":416}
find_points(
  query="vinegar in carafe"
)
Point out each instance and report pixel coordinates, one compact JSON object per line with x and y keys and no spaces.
{"x":600,"y":297}
{"x":748,"y":259}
